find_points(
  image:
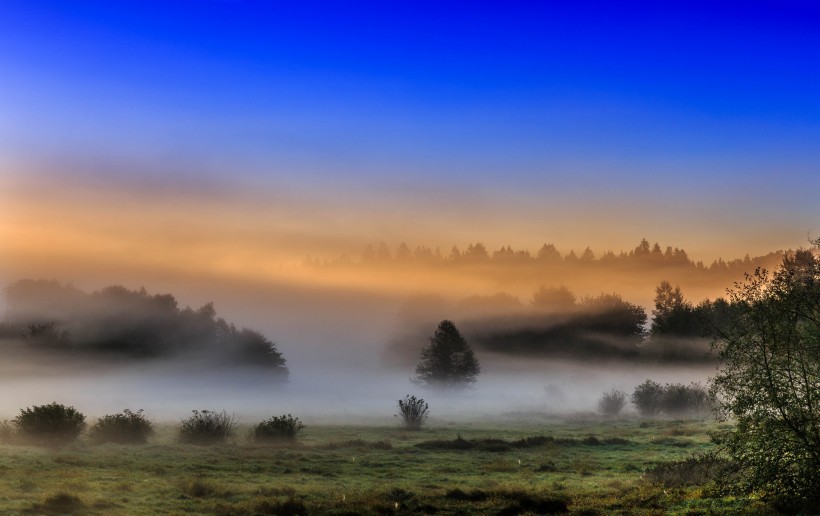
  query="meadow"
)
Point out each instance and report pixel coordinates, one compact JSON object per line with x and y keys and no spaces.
{"x":579,"y":464}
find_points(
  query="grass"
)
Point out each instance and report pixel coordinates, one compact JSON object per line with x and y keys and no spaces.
{"x":585,"y":466}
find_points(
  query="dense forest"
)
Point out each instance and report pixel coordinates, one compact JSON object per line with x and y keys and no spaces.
{"x":116,"y":322}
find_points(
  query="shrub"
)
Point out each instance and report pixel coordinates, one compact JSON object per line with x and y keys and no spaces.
{"x":612,"y":402}
{"x":123,"y":428}
{"x":6,"y":432}
{"x":281,"y":428}
{"x":647,"y":398}
{"x":207,"y":427}
{"x":701,"y":401}
{"x":53,"y":424}
{"x":685,"y":400}
{"x":413,"y":412}
{"x":673,"y":399}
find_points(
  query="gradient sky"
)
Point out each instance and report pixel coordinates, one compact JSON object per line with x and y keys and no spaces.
{"x":130,"y":129}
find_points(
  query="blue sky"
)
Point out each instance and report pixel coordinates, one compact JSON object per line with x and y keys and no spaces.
{"x":709,"y":107}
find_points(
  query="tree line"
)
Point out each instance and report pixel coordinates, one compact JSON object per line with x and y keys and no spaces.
{"x":557,"y":323}
{"x":118,"y":322}
{"x":644,"y":255}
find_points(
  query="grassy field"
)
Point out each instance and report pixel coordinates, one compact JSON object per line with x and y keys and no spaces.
{"x":585,"y":466}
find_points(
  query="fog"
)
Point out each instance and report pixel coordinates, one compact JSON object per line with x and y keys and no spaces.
{"x":337,"y":344}
{"x":507,"y":389}
{"x":351,"y":337}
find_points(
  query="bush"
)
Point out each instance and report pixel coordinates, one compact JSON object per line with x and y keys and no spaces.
{"x":126,"y":427}
{"x":612,"y":402}
{"x":685,"y":400}
{"x":6,"y":432}
{"x":673,"y":399}
{"x":647,"y":398}
{"x":53,"y":424}
{"x":413,"y":412}
{"x":207,"y":427}
{"x":281,"y":428}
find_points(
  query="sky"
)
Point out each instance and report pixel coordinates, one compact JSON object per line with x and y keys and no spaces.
{"x":230,"y":137}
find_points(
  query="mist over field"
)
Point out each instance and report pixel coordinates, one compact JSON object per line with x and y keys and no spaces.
{"x":350,"y":355}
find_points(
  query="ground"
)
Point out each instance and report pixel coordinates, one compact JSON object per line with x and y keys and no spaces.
{"x":582,"y":465}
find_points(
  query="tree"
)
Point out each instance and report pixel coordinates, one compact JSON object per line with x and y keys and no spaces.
{"x":610,"y":314}
{"x":673,"y":315}
{"x":448,"y":361}
{"x":768,"y":381}
{"x":548,"y":253}
{"x":553,"y":298}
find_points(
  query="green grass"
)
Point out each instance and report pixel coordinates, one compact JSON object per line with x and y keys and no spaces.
{"x":456,"y":468}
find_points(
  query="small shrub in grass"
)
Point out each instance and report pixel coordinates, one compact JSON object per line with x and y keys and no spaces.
{"x":612,"y":402}
{"x":52,"y":425}
{"x":413,"y":412}
{"x":126,"y":427}
{"x":278,"y":428}
{"x":207,"y":427}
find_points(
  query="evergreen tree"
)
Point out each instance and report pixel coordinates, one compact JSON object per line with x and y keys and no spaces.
{"x":448,"y":361}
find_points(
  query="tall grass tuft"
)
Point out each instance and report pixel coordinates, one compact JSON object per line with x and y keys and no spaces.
{"x":413,"y":412}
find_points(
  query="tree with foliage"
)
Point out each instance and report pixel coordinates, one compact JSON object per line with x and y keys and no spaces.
{"x":448,"y":361}
{"x":610,"y":314}
{"x":669,"y":306}
{"x":768,"y":381}
{"x":553,"y":298}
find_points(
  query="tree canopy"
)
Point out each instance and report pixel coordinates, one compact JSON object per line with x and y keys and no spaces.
{"x":769,"y":378}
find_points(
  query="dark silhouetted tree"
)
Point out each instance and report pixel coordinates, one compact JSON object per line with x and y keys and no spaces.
{"x":448,"y":361}
{"x":768,"y":382}
{"x":672,"y":314}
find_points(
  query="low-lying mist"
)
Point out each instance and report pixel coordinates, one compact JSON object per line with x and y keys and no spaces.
{"x":340,"y":348}
{"x":317,"y":392}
